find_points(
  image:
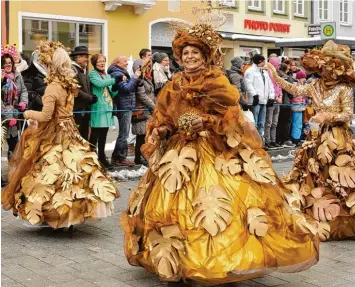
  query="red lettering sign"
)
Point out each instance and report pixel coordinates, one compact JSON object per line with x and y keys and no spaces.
{"x":266,"y":26}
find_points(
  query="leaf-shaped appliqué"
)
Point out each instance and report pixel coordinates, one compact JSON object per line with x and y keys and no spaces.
{"x":164,"y":251}
{"x":232,"y":166}
{"x":212,"y":209}
{"x":324,"y":154}
{"x":41,"y":193}
{"x":350,"y":202}
{"x":257,"y":222}
{"x":102,"y":187}
{"x":334,"y":139}
{"x":78,"y":193}
{"x":62,"y":201}
{"x":233,"y":138}
{"x":313,"y":166}
{"x":323,"y":230}
{"x":344,"y":171}
{"x":33,"y":212}
{"x":175,"y":168}
{"x":89,"y":162}
{"x":54,"y":154}
{"x":257,"y":168}
{"x":50,"y":173}
{"x":71,"y":159}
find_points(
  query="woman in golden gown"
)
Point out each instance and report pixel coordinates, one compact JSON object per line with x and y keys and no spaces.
{"x":54,"y":178}
{"x":324,"y":171}
{"x":210,"y":208}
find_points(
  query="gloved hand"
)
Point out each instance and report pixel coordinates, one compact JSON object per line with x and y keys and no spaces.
{"x":245,"y":107}
{"x":12,"y":122}
{"x":270,"y":103}
{"x":22,"y":106}
{"x":255,"y":100}
{"x":94,"y":99}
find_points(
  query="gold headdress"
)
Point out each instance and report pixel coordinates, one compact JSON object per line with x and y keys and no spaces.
{"x":333,"y":61}
{"x":201,"y":34}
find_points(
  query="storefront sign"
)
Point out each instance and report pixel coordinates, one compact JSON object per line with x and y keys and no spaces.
{"x":314,"y":30}
{"x":266,"y":26}
{"x":161,"y":36}
{"x":247,"y":51}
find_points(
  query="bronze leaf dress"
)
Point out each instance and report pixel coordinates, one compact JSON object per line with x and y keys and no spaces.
{"x":211,"y":208}
{"x":53,"y":175}
{"x":324,"y":166}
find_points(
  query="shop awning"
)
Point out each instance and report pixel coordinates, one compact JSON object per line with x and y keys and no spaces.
{"x":310,"y":42}
{"x":243,"y":37}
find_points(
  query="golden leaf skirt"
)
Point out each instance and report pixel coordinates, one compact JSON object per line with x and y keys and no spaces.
{"x":205,"y":219}
{"x":324,"y":174}
{"x":55,"y":178}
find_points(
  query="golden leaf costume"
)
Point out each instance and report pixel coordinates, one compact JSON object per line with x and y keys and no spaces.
{"x":54,"y":177}
{"x":324,"y":170}
{"x":210,"y":207}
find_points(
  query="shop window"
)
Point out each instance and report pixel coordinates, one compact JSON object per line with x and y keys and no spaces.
{"x":345,"y":12}
{"x":255,"y":5}
{"x":279,"y":6}
{"x":70,"y":33}
{"x":324,"y":11}
{"x":298,"y":8}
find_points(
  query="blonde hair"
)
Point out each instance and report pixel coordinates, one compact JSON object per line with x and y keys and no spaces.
{"x":61,"y":64}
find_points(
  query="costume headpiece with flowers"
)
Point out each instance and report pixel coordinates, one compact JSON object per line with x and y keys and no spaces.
{"x":46,"y":51}
{"x":333,"y":62}
{"x":9,"y":49}
{"x":201,"y":34}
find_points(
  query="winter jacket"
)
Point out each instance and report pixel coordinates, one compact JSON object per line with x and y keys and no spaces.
{"x":83,"y":100}
{"x":258,"y":82}
{"x":235,"y":77}
{"x":126,"y":98}
{"x":144,"y":100}
{"x":102,"y":89}
{"x":12,"y":108}
{"x":34,"y":80}
{"x":286,"y":97}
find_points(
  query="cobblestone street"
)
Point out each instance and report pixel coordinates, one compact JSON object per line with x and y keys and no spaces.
{"x":95,"y":256}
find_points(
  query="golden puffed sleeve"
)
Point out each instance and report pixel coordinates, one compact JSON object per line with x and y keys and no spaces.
{"x":347,"y":104}
{"x":295,"y":90}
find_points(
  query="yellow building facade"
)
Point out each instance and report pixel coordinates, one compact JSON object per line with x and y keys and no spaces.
{"x":125,"y":27}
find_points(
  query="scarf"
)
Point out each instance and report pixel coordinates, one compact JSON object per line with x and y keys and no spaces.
{"x":10,"y":89}
{"x":22,"y":66}
{"x":161,"y":75}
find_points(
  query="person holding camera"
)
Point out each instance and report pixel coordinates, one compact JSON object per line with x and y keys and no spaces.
{"x":144,"y":100}
{"x":260,"y":91}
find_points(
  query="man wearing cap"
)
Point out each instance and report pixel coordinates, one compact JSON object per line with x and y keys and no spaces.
{"x":82,"y":102}
{"x":260,"y":91}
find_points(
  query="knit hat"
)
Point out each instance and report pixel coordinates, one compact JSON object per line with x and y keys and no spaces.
{"x":237,"y":62}
{"x":275,"y":61}
{"x":159,"y":57}
{"x":257,"y":59}
{"x":301,"y":75}
{"x":136,"y":64}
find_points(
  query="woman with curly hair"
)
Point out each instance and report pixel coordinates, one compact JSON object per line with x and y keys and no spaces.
{"x":324,"y":171}
{"x":210,"y":207}
{"x":54,"y":178}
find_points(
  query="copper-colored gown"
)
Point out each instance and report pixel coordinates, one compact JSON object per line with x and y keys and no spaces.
{"x":324,"y":167}
{"x":53,"y":175}
{"x":211,"y":208}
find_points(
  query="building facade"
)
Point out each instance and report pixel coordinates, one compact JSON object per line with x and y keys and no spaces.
{"x":125,"y":27}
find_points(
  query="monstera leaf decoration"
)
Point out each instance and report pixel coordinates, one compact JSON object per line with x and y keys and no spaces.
{"x":175,"y":167}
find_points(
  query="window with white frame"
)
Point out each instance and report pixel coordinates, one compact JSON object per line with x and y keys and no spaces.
{"x":228,"y":3}
{"x":279,"y":6}
{"x":69,"y":33}
{"x":346,"y":11}
{"x":298,"y":8}
{"x":255,"y":5}
{"x":324,"y":11}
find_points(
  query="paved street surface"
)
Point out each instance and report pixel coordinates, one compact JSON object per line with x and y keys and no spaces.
{"x":95,"y":256}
